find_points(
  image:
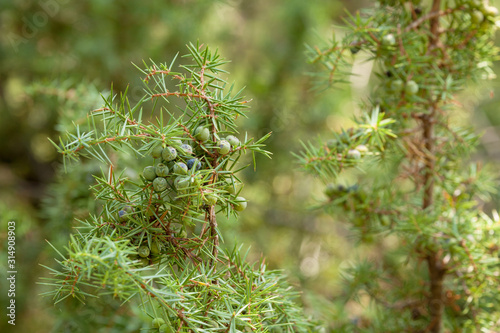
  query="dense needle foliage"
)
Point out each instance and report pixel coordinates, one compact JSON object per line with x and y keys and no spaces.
{"x":156,"y":241}
{"x":403,"y":177}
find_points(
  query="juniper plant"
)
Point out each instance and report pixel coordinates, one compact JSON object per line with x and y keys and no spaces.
{"x":418,"y":187}
{"x":156,"y":240}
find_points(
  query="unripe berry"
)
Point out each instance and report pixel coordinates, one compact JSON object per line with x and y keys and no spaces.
{"x":156,"y":153}
{"x":332,"y":144}
{"x":240,"y":204}
{"x":397,"y":85}
{"x":157,"y":322}
{"x":169,"y":154}
{"x":191,"y":162}
{"x":411,"y":87}
{"x":177,"y":142}
{"x":181,"y":183}
{"x":149,"y":173}
{"x":143,"y":251}
{"x":161,"y":170}
{"x":354,"y":154}
{"x":362,"y":149}
{"x":187,"y":149}
{"x":477,"y":17}
{"x":389,"y":39}
{"x":231,"y":186}
{"x":159,"y":184}
{"x":210,"y":199}
{"x":490,"y":11}
{"x":224,"y":147}
{"x":180,"y":168}
{"x":156,"y":247}
{"x":164,"y":329}
{"x":202,"y":133}
{"x":233,"y":141}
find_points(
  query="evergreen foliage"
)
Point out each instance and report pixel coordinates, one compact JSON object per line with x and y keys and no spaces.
{"x":415,"y":191}
{"x":155,"y":241}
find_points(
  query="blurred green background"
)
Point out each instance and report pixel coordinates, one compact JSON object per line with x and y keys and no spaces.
{"x":57,"y":56}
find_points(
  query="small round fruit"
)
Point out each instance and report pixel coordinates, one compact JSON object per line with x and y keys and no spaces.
{"x":202,"y":133}
{"x":156,"y":153}
{"x":122,"y":215}
{"x":389,"y":39}
{"x":143,"y":251}
{"x":362,"y":149}
{"x":210,"y":199}
{"x":180,"y":168}
{"x":169,"y":154}
{"x":477,"y":17}
{"x":181,"y":183}
{"x":411,"y":87}
{"x":161,"y":170}
{"x":187,"y":149}
{"x":224,"y":147}
{"x":233,"y":141}
{"x":490,"y":11}
{"x":177,"y":142}
{"x":397,"y":85}
{"x":191,"y":162}
{"x":157,"y":322}
{"x":164,"y":329}
{"x":231,"y":186}
{"x":160,"y":184}
{"x":332,"y":144}
{"x":354,"y":154}
{"x":156,"y":247}
{"x":149,"y":173}
{"x":240,"y":204}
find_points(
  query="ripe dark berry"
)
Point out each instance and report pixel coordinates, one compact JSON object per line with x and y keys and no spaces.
{"x":122,"y":215}
{"x":233,"y":141}
{"x":180,"y":168}
{"x":169,"y":154}
{"x":240,"y":204}
{"x":191,"y":162}
{"x":224,"y":147}
{"x":161,"y":170}
{"x":202,"y":133}
{"x":156,"y":153}
{"x":160,"y":184}
{"x":149,"y":173}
